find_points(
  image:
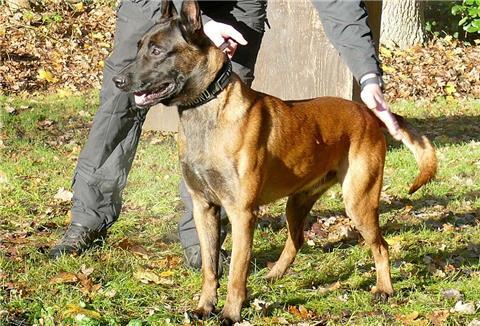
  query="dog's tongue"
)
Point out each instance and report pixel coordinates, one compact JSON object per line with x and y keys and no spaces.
{"x":140,"y":99}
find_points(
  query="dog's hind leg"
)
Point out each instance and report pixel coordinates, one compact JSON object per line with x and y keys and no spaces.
{"x":298,"y":207}
{"x":361,"y":188}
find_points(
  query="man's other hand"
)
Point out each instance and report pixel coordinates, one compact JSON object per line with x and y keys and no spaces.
{"x":372,"y":96}
{"x":224,"y":36}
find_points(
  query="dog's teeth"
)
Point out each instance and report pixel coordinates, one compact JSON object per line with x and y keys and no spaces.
{"x":140,"y":99}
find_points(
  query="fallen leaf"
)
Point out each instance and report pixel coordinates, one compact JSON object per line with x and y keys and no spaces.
{"x":474,"y":322}
{"x":137,"y":249}
{"x":447,"y":227}
{"x":168,"y":262}
{"x":147,"y":277}
{"x":451,"y":294}
{"x":275,"y":321}
{"x":10,"y":110}
{"x":464,"y":308}
{"x":3,"y":178}
{"x":79,"y":7}
{"x":63,"y":195}
{"x":77,"y":310}
{"x":91,"y":289}
{"x":46,"y":75}
{"x":110,"y":293}
{"x":86,"y":271}
{"x":299,"y":312}
{"x":329,"y":288}
{"x":408,"y":209}
{"x":385,"y":52}
{"x":319,"y":230}
{"x":64,"y":277}
{"x":438,"y":318}
{"x":411,"y":319}
{"x":166,"y":274}
{"x":261,"y":305}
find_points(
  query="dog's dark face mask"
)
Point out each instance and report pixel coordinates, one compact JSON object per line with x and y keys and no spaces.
{"x":171,"y":59}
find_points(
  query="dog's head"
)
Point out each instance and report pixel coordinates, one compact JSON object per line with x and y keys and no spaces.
{"x":175,"y":59}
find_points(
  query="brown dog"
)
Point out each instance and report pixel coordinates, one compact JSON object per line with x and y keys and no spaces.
{"x":240,"y":149}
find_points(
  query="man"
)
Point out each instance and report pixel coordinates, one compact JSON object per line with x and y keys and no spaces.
{"x":107,"y":157}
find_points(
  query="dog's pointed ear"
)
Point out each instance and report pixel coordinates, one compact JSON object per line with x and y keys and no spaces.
{"x":190,"y":16}
{"x":168,"y":9}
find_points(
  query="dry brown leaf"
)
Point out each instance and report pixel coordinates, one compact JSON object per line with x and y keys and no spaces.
{"x":300,"y":312}
{"x":76,"y":310}
{"x":439,"y":317}
{"x":332,"y":287}
{"x":64,"y":277}
{"x":412,"y":319}
{"x":147,"y":277}
{"x":127,"y":244}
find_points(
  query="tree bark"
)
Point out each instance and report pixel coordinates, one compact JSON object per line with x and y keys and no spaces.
{"x":403,"y":23}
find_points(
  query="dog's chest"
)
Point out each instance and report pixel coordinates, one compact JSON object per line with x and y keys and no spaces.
{"x":202,"y":165}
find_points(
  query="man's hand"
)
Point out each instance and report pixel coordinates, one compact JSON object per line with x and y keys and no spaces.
{"x":372,"y":96}
{"x":224,"y":36}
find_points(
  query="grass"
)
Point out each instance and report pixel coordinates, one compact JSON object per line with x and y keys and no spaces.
{"x":434,"y":235}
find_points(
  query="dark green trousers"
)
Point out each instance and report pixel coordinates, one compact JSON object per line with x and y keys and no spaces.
{"x":106,"y":159}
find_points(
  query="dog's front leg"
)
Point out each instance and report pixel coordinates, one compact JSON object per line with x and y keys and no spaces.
{"x":243,"y":224}
{"x":207,"y":222}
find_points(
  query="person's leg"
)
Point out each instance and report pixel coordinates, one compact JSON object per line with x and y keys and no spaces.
{"x":107,"y":157}
{"x":248,"y":17}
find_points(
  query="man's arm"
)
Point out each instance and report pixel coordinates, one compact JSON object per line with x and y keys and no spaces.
{"x":345,"y":24}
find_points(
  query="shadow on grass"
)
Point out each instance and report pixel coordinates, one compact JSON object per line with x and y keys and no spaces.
{"x":444,"y":131}
{"x":462,"y":258}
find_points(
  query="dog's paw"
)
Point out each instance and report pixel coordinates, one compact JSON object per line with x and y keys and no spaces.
{"x":229,"y":318}
{"x":274,"y":274}
{"x":226,"y":322}
{"x":200,"y":314}
{"x":380,"y":296}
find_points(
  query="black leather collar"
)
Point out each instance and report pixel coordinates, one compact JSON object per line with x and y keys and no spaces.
{"x":218,"y":85}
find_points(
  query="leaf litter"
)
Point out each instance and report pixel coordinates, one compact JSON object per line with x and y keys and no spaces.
{"x":61,"y":46}
{"x":55,"y":45}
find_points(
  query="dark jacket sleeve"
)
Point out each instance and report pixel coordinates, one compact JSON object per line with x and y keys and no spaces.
{"x":345,"y":24}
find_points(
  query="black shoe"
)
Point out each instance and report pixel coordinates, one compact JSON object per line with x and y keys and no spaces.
{"x":76,"y":240}
{"x":193,"y":258}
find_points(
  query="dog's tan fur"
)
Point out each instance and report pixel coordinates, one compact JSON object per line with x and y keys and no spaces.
{"x":297,"y":149}
{"x":244,"y":149}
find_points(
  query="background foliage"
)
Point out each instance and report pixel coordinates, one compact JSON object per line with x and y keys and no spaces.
{"x":469,"y":10}
{"x":60,"y":46}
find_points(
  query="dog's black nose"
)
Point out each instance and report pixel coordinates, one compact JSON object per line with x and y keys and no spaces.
{"x":121,"y":81}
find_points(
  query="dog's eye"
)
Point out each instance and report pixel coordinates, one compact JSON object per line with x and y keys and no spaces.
{"x":156,"y":51}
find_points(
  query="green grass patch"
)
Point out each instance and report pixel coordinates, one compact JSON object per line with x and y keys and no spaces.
{"x":433,"y":235}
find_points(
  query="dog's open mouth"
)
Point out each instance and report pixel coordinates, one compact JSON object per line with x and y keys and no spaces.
{"x":150,"y":97}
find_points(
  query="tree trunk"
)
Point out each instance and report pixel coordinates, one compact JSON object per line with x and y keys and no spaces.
{"x":403,"y":23}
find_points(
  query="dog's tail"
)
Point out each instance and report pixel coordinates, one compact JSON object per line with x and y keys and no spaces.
{"x":422,"y":150}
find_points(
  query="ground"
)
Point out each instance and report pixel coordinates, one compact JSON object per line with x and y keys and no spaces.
{"x":138,"y":277}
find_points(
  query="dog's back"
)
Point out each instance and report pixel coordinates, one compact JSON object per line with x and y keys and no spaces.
{"x":311,"y":138}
